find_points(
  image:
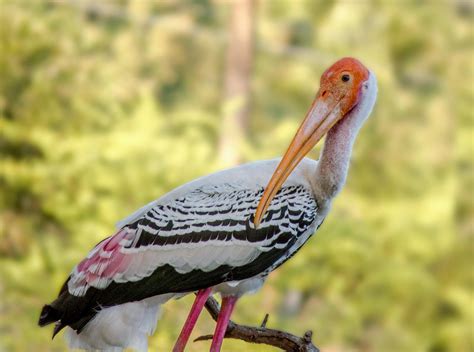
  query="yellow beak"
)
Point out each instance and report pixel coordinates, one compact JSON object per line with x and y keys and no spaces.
{"x":323,"y":114}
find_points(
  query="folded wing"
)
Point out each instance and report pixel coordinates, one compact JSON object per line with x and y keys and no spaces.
{"x":199,"y":240}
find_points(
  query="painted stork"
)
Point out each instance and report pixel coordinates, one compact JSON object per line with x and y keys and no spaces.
{"x":221,"y":233}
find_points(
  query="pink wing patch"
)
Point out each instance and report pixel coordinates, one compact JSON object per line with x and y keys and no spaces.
{"x":102,"y":263}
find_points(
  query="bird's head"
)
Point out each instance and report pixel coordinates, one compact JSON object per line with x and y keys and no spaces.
{"x":347,"y":90}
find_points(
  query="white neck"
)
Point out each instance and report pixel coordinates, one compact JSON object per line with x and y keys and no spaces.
{"x":333,"y":164}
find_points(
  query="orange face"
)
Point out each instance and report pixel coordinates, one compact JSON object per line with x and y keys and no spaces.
{"x":340,"y":90}
{"x":342,"y":82}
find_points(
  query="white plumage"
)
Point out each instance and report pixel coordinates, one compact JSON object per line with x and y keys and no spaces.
{"x":117,"y":327}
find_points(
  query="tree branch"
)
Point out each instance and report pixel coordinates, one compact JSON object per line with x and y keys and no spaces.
{"x":261,"y":335}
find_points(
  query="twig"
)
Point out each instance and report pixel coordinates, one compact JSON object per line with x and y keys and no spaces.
{"x":261,"y":335}
{"x":265,"y":321}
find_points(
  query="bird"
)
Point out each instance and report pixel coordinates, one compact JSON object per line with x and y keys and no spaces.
{"x":223,"y":233}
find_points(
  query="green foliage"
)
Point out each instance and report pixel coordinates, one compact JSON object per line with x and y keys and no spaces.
{"x":105,"y":108}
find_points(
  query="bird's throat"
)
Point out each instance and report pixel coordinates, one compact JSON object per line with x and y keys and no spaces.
{"x":333,"y":164}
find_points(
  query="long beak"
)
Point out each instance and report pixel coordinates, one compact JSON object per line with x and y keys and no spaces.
{"x":323,"y":114}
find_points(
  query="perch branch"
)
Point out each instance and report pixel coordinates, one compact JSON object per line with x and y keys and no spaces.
{"x":261,"y":335}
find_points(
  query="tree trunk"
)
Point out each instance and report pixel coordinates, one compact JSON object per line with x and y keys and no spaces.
{"x":236,"y":108}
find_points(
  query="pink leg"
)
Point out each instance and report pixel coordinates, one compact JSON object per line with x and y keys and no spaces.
{"x":193,"y":316}
{"x":228,"y":304}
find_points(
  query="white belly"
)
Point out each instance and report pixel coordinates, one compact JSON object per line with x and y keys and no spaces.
{"x":239,"y":288}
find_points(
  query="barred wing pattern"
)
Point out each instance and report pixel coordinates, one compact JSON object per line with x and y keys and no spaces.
{"x":199,"y":240}
{"x":210,"y":227}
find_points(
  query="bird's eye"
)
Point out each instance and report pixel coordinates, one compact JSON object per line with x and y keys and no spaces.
{"x":345,"y":77}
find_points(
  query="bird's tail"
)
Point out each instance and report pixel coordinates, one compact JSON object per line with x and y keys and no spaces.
{"x":48,"y":315}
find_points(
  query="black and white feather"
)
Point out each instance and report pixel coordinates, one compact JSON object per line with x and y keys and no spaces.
{"x":197,"y":237}
{"x":202,"y":239}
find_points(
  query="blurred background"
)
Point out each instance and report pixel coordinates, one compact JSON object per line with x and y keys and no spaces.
{"x":106,"y":105}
